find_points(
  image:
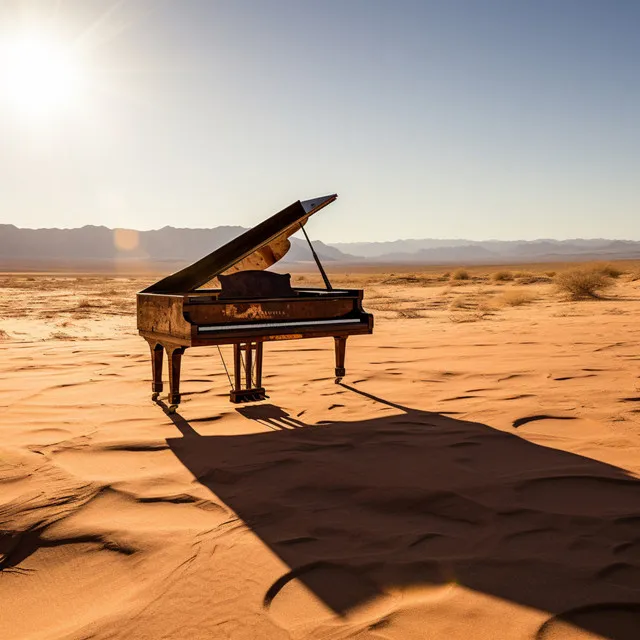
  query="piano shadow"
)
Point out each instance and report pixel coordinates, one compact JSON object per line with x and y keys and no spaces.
{"x":360,"y":509}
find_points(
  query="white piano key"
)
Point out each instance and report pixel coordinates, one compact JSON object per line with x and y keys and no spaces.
{"x":277,"y":325}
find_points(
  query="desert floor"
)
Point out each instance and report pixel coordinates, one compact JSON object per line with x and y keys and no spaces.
{"x":475,"y":476}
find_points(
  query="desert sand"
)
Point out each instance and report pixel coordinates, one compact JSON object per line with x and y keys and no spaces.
{"x":475,"y":475}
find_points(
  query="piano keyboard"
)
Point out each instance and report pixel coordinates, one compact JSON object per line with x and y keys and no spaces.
{"x":277,"y":325}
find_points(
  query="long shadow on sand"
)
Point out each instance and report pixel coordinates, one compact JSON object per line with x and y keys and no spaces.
{"x":416,"y":498}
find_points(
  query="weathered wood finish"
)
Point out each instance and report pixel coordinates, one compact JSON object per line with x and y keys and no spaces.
{"x":300,"y":308}
{"x":341,"y":349}
{"x":173,"y":315}
{"x":169,"y":322}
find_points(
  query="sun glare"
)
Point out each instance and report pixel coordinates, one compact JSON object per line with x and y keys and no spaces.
{"x":40,"y":74}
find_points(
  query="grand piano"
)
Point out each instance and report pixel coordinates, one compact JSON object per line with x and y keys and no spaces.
{"x":247,"y":307}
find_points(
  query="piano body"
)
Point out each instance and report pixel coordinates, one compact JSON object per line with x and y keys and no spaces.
{"x":250,"y":307}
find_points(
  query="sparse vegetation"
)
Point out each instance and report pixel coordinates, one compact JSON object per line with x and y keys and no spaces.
{"x":583,"y":283}
{"x":410,"y":314}
{"x":502,"y":276}
{"x":3,"y":335}
{"x":608,"y":270}
{"x":408,"y":279}
{"x":60,"y":335}
{"x":460,"y":303}
{"x":533,"y":279}
{"x":460,"y":274}
{"x":517,"y":297}
{"x":468,"y":309}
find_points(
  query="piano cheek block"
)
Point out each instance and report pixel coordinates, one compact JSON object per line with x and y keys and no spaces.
{"x":175,"y":313}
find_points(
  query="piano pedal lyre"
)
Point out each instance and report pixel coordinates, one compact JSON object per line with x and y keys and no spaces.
{"x":252,"y":390}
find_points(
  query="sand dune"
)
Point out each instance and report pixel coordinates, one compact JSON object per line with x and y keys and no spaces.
{"x":476,"y":475}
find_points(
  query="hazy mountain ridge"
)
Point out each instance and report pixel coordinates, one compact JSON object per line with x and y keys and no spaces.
{"x":437,"y":251}
{"x":101,"y":243}
{"x":94,"y":243}
{"x":410,"y":245}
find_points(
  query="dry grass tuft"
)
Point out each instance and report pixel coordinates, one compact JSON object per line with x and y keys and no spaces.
{"x":517,"y":298}
{"x":502,"y":276}
{"x":583,"y":283}
{"x":407,"y":279}
{"x":468,"y":309}
{"x":409,"y":314}
{"x":608,"y":270}
{"x":460,"y":274}
{"x":534,"y":280}
{"x":60,"y":335}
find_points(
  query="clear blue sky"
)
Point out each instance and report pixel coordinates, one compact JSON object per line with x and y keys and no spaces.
{"x":478,"y":119}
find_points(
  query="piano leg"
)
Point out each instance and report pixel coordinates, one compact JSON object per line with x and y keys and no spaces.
{"x":174,"y":356}
{"x":259,"y":364}
{"x":341,"y":348}
{"x":156,"y":368}
{"x":248,"y":392}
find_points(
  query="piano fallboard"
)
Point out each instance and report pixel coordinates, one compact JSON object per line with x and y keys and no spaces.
{"x":201,"y":318}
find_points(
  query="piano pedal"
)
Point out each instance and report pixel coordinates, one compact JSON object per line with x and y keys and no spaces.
{"x":247,"y":395}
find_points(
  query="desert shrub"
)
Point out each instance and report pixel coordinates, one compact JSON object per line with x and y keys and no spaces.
{"x":502,"y":276}
{"x":461,"y":303}
{"x":550,"y":274}
{"x":635,"y":276}
{"x":522,"y":274}
{"x":407,"y":279}
{"x":468,"y":309}
{"x":460,"y":274}
{"x":534,"y":279}
{"x":584,"y":283}
{"x":517,"y":298}
{"x":608,"y":270}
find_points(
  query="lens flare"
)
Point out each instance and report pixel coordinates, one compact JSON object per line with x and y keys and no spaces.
{"x":125,"y":239}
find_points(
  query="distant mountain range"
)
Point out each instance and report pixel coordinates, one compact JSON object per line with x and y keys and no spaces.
{"x":101,"y":244}
{"x":429,"y":251}
{"x":91,"y":245}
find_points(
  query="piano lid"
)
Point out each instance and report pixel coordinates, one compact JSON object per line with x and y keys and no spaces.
{"x":257,"y":248}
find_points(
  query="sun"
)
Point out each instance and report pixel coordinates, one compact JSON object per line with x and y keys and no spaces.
{"x":40,"y":74}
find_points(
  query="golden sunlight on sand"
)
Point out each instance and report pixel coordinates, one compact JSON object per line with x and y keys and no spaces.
{"x":474,"y":477}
